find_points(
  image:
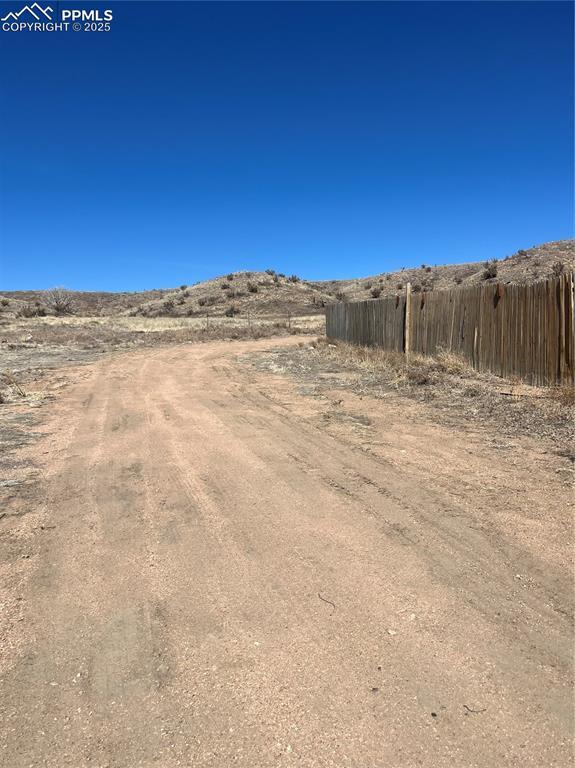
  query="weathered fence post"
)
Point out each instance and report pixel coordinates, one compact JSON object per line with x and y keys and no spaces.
{"x":407,"y":326}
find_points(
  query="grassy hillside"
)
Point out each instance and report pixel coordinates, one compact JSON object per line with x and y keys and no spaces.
{"x":241,"y":293}
{"x":525,"y":266}
{"x":268,"y":293}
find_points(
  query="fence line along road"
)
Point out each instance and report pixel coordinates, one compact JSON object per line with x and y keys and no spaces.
{"x":511,"y":330}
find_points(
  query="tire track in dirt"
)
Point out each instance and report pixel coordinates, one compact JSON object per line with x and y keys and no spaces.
{"x":203,"y":517}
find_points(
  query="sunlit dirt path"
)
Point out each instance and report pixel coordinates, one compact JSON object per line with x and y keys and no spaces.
{"x":221,"y":581}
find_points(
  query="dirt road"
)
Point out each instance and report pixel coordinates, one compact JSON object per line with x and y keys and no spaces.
{"x":209,"y":571}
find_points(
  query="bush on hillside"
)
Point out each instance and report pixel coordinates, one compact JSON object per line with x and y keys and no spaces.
{"x":490,"y":270}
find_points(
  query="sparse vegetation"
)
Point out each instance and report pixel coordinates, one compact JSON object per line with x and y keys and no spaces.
{"x":168,"y":306}
{"x":490,"y":270}
{"x":32,"y":310}
{"x":60,"y":301}
{"x":536,"y":263}
{"x":252,"y":288}
{"x":375,"y":293}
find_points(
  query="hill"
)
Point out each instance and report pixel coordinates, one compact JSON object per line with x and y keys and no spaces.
{"x":84,"y":303}
{"x":274,"y":294}
{"x":524,"y":266}
{"x":254,"y":293}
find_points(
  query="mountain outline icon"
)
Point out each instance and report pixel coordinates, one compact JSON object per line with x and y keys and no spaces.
{"x":34,"y":10}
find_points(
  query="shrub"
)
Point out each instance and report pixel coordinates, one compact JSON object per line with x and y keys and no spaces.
{"x":558,"y":268}
{"x":281,"y":274}
{"x":208,"y":301}
{"x":5,"y":302}
{"x":252,"y":288}
{"x":230,"y":276}
{"x":368,"y":285}
{"x":183,"y":287}
{"x":340,"y":296}
{"x":375,"y":293}
{"x":428,"y":269}
{"x":28,"y":310}
{"x":458,"y":280}
{"x":399,"y":286}
{"x":270,"y":271}
{"x":416,"y":288}
{"x":231,"y":311}
{"x":490,"y":270}
{"x":293,"y":279}
{"x":225,"y":286}
{"x":168,"y":306}
{"x":60,"y":301}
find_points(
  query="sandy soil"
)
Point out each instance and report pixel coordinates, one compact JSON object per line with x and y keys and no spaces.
{"x":204,"y":566}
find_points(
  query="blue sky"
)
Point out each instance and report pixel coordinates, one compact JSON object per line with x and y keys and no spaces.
{"x":326,"y":139}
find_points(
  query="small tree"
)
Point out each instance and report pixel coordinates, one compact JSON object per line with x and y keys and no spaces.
{"x":60,"y":301}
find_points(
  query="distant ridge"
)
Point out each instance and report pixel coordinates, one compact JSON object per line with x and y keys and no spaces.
{"x":274,"y":294}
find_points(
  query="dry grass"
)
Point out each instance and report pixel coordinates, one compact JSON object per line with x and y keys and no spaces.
{"x":565,"y":395}
{"x":450,"y":384}
{"x":394,"y":366}
{"x":128,"y":324}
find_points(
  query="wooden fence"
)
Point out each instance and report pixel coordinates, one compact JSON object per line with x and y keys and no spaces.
{"x":511,"y":330}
